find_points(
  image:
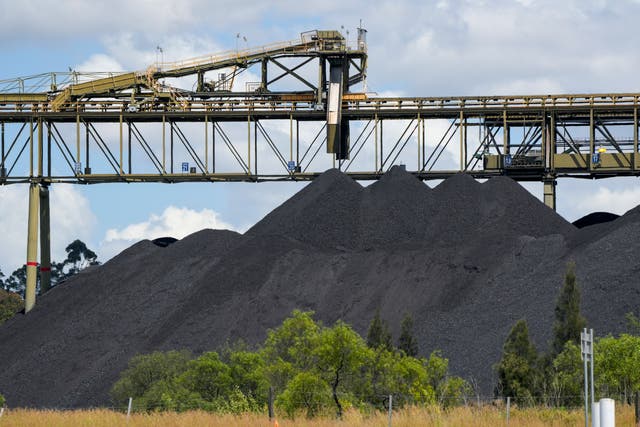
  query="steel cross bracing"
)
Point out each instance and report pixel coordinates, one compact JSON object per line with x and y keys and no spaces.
{"x":528,"y":138}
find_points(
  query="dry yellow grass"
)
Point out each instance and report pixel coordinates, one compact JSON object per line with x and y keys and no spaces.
{"x":411,"y":417}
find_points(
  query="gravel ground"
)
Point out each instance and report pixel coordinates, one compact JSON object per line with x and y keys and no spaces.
{"x":466,"y":259}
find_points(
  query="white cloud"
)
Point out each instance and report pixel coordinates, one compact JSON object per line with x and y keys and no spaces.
{"x":176,"y":222}
{"x":99,"y":63}
{"x":71,"y":218}
{"x":617,"y":201}
{"x":533,"y":86}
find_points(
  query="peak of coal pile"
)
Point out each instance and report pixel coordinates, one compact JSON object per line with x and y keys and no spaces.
{"x":494,"y":212}
{"x":467,"y":260}
{"x":324,"y":213}
{"x":394,"y":210}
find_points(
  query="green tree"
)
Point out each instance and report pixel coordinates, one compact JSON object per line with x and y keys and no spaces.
{"x":307,"y":392}
{"x":79,"y":257}
{"x":10,"y":304}
{"x":617,"y":366}
{"x":208,"y":376}
{"x":146,"y":370}
{"x":289,"y":348}
{"x":407,"y":341}
{"x":378,"y":334}
{"x":567,"y":377}
{"x":340,"y":360}
{"x":568,"y":320}
{"x":17,"y":282}
{"x":2,"y":401}
{"x":247,"y":370}
{"x":517,"y":367}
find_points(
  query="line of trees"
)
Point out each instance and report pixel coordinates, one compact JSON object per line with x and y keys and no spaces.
{"x":12,"y":288}
{"x":555,"y":378}
{"x":311,"y":369}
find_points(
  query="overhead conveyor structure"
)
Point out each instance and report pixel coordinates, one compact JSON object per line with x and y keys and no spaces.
{"x":141,"y":126}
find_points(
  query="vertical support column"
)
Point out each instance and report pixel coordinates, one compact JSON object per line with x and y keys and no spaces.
{"x":552,"y":142}
{"x":291,"y":136}
{"x":419,"y":130}
{"x":40,"y":148}
{"x":121,"y":145}
{"x":45,"y":241}
{"x":49,"y":149}
{"x":200,"y":86}
{"x":248,"y":144}
{"x":375,"y":142}
{"x":206,"y":145}
{"x":424,"y":145}
{"x":213,"y":147}
{"x":635,"y":139}
{"x":506,"y":134}
{"x":164,"y":144}
{"x":87,"y":166}
{"x":31,"y":148}
{"x":298,"y":167}
{"x":3,"y":170}
{"x":171,"y":146}
{"x":264,"y":68}
{"x":381,"y":145}
{"x":463,"y":141}
{"x":78,"y":139}
{"x":592,"y":138}
{"x":549,"y":188}
{"x":547,"y":133}
{"x":321,"y":79}
{"x":32,"y":248}
{"x":129,"y":146}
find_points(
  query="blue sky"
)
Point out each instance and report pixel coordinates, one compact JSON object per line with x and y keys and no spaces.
{"x":416,"y":48}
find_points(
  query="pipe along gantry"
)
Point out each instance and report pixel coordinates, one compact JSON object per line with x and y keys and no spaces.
{"x":136,"y":127}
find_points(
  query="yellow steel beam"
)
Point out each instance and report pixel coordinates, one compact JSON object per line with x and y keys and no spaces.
{"x":23,"y":97}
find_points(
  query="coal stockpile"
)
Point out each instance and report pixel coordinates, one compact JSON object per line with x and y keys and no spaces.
{"x":466,"y":259}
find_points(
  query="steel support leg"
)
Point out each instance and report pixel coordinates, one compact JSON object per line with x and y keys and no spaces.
{"x":45,"y":241}
{"x":550,"y":192}
{"x":32,"y":248}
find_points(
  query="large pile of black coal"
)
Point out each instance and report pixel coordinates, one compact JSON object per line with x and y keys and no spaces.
{"x":466,"y":259}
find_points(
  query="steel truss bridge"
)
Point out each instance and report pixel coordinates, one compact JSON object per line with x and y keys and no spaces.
{"x":300,"y":118}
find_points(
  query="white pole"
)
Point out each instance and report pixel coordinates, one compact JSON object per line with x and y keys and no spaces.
{"x":390,"y":408}
{"x":129,"y":408}
{"x":607,"y":413}
{"x":595,"y":414}
{"x":592,"y":359}
{"x":584,"y":344}
{"x":1,"y":411}
{"x":508,"y":408}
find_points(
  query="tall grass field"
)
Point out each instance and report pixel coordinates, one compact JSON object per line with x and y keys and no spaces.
{"x":487,"y":416}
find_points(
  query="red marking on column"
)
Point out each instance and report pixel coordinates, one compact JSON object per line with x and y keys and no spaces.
{"x":32,"y":264}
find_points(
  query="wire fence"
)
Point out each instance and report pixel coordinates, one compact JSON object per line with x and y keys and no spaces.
{"x":375,"y":402}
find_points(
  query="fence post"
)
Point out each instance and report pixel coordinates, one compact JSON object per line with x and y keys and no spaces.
{"x":390,"y":408}
{"x":129,"y":408}
{"x":508,"y":408}
{"x":271,"y":414}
